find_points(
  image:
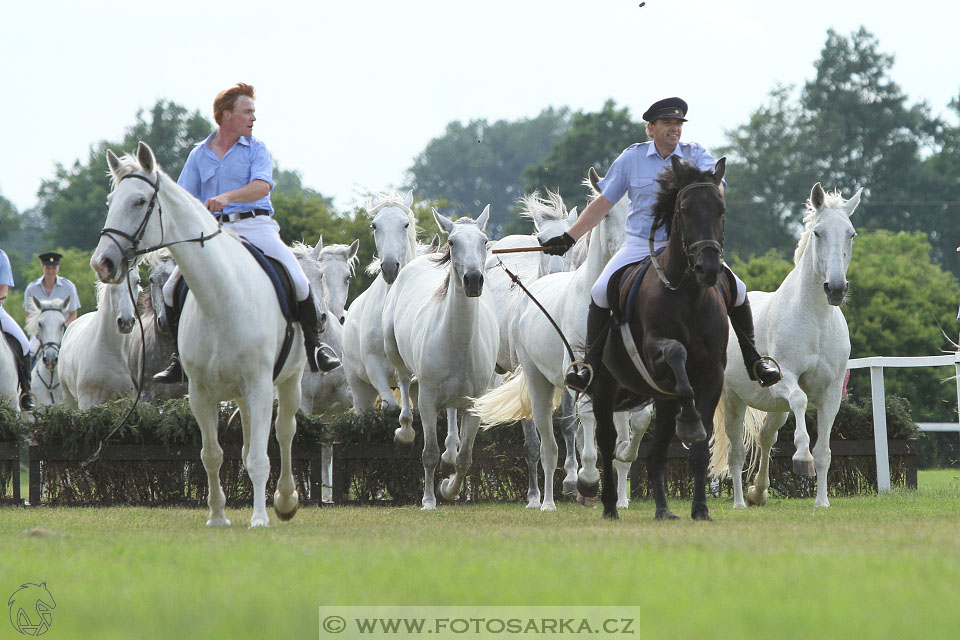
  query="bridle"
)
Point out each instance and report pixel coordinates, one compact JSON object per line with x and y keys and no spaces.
{"x":694,"y":249}
{"x":134,"y":250}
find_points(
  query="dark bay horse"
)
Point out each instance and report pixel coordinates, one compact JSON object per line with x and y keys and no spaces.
{"x":676,"y":327}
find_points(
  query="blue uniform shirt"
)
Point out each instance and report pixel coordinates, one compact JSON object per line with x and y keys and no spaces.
{"x":205,"y":175}
{"x":635,"y":173}
{"x":6,"y":271}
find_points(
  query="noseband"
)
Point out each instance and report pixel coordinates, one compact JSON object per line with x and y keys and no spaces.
{"x":134,"y":250}
{"x":692,"y":250}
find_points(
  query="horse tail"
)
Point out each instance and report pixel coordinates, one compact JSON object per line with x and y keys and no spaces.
{"x":752,"y":425}
{"x":507,"y":403}
{"x":719,"y":445}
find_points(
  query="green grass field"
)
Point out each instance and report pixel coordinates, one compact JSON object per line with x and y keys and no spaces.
{"x":868,"y":567}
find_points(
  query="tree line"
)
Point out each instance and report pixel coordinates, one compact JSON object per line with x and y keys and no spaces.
{"x":849,"y":126}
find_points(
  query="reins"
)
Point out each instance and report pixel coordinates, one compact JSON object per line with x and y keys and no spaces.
{"x":691,"y":251}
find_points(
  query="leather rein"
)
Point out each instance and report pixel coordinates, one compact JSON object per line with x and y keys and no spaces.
{"x":694,"y":249}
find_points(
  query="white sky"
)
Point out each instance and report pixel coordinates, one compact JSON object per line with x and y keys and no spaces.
{"x":350,"y":91}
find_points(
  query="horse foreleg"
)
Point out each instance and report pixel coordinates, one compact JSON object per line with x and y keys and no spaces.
{"x":707,"y":399}
{"x":259,"y":403}
{"x":826,"y":413}
{"x":602,"y":409}
{"x":757,"y":492}
{"x":450,"y":487}
{"x":664,"y":421}
{"x":431,"y":449}
{"x":531,"y":453}
{"x":588,"y":480}
{"x":689,"y":426}
{"x":733,"y":411}
{"x":541,"y":397}
{"x":205,"y":410}
{"x":802,"y":459}
{"x":286,"y":500}
{"x":326,"y":474}
{"x":621,"y":422}
{"x":452,"y":443}
{"x":568,"y":427}
{"x":639,"y":423}
{"x":405,"y":434}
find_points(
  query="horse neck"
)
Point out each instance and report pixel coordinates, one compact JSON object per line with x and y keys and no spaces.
{"x":105,"y":324}
{"x":597,"y":256}
{"x":460,"y":313}
{"x":804,"y":285}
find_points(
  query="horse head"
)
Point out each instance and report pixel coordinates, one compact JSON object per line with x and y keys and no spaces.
{"x":50,"y":323}
{"x":160,"y":270}
{"x":828,"y":226}
{"x":336,"y":264}
{"x":120,"y":299}
{"x":394,"y":233}
{"x":466,"y":251}
{"x":696,"y":219}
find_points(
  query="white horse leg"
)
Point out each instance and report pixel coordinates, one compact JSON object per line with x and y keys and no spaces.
{"x":452,"y":443}
{"x":541,"y":397}
{"x":405,"y":434}
{"x":257,"y":463}
{"x":802,"y":459}
{"x":531,"y":452}
{"x":733,"y":413}
{"x":827,"y":412}
{"x":244,"y":428}
{"x":450,"y":487}
{"x":364,"y":395}
{"x":621,"y":421}
{"x":286,"y":501}
{"x":431,"y":449}
{"x":326,"y":474}
{"x":588,"y":481}
{"x":568,"y":427}
{"x":205,"y":409}
{"x":380,"y":370}
{"x":757,"y":492}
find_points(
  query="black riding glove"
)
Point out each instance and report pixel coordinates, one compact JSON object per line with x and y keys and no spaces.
{"x":558,"y":245}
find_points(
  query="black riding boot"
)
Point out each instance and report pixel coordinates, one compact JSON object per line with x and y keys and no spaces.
{"x":173,"y":374}
{"x":318,"y":358}
{"x":27,"y":401}
{"x":580,"y":376}
{"x":757,"y":368}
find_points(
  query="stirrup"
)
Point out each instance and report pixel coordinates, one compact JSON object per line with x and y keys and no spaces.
{"x":756,"y":374}
{"x":27,"y":395}
{"x":570,"y":368}
{"x":331,"y":360}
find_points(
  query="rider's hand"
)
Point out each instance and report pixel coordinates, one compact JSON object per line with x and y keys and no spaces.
{"x":217,"y":203}
{"x":558,"y":245}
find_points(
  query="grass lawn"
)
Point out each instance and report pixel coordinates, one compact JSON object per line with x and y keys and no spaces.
{"x":868,"y":567}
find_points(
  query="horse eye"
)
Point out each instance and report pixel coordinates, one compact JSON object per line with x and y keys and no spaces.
{"x":141,"y":201}
{"x":406,"y":225}
{"x":816,"y":234}
{"x":373,"y":226}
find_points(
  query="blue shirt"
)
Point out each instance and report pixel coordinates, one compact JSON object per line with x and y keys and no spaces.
{"x":6,"y":271}
{"x":62,"y":289}
{"x":635,"y":173}
{"x":205,"y":175}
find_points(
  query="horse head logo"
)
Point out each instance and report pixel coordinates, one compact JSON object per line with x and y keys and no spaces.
{"x":30,"y":609}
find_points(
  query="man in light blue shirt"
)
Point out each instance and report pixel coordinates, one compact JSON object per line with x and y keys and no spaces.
{"x":9,"y":325}
{"x":635,"y":174}
{"x":231,"y":173}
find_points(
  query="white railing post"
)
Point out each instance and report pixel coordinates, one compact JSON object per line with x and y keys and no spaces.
{"x":880,"y":429}
{"x":957,"y":379}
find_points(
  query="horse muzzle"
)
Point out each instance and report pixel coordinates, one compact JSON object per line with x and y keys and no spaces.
{"x":107,"y":269}
{"x":125,"y":325}
{"x":389,"y":271}
{"x":473,"y":283}
{"x":836,"y":294}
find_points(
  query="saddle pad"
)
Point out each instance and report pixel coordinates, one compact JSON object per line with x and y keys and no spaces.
{"x":281,"y":283}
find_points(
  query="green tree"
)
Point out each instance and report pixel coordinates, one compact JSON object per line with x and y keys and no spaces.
{"x":479,"y":163}
{"x":72,"y":202}
{"x":9,"y":218}
{"x":593,"y":140}
{"x":75,"y":266}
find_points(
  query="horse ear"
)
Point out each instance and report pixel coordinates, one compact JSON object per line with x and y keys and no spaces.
{"x":594,"y":179}
{"x":408,"y":199}
{"x":146,"y":158}
{"x":572,"y":215}
{"x":354,"y":247}
{"x":852,"y":203}
{"x":482,"y":220}
{"x":315,"y":254}
{"x":445,"y":223}
{"x":435,"y":243}
{"x":537,"y":219}
{"x":65,"y":305}
{"x":719,"y":169}
{"x":35,"y":302}
{"x":817,"y":197}
{"x":113,"y":161}
{"x":677,"y":165}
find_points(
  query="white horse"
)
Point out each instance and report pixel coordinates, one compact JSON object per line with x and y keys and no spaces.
{"x":47,"y":322}
{"x":550,"y":218}
{"x":440,"y":326}
{"x":156,"y":337}
{"x":9,"y":382}
{"x":801,"y":326}
{"x":329,"y":269}
{"x":537,"y":386}
{"x":231,"y":328}
{"x":98,"y":362}
{"x":368,"y":370}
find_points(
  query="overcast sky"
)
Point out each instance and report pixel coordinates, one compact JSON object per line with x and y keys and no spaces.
{"x":350,"y":92}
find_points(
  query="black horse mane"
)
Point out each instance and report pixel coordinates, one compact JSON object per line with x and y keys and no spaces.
{"x":670,"y":185}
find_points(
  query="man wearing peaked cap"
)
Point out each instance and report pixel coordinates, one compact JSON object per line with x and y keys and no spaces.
{"x":51,"y":285}
{"x":634,"y":174}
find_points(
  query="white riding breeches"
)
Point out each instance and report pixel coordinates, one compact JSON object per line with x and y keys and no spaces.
{"x":635,"y":249}
{"x":9,"y":325}
{"x":264,"y":233}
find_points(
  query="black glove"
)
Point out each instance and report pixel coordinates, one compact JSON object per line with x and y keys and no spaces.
{"x":558,"y":245}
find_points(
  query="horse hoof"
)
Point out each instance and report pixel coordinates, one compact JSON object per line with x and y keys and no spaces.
{"x":570,"y":488}
{"x":623,"y":505}
{"x":445,"y":487}
{"x":429,"y":506}
{"x":533,"y":503}
{"x":448,"y":460}
{"x":286,"y":509}
{"x":257,"y":522}
{"x":611,"y":514}
{"x":218,"y":522}
{"x":691,"y":432}
{"x":755,"y":497}
{"x":548,"y":506}
{"x":804,"y":468}
{"x":587,"y":501}
{"x":701,"y":514}
{"x":665,"y":514}
{"x":588,"y":489}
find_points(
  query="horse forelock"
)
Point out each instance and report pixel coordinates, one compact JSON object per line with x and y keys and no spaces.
{"x":666,"y":200}
{"x":32,"y":325}
{"x":549,"y":208}
{"x":127,"y":164}
{"x":832,"y":200}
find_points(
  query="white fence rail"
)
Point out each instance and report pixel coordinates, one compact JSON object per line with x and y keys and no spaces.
{"x":876,"y":365}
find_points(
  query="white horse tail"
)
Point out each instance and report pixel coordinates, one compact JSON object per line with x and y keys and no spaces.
{"x":752,"y":424}
{"x":719,"y":446}
{"x":509,"y":402}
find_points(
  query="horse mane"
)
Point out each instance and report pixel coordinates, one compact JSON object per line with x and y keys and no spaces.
{"x":32,"y":325}
{"x":549,"y":208}
{"x":832,"y":200}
